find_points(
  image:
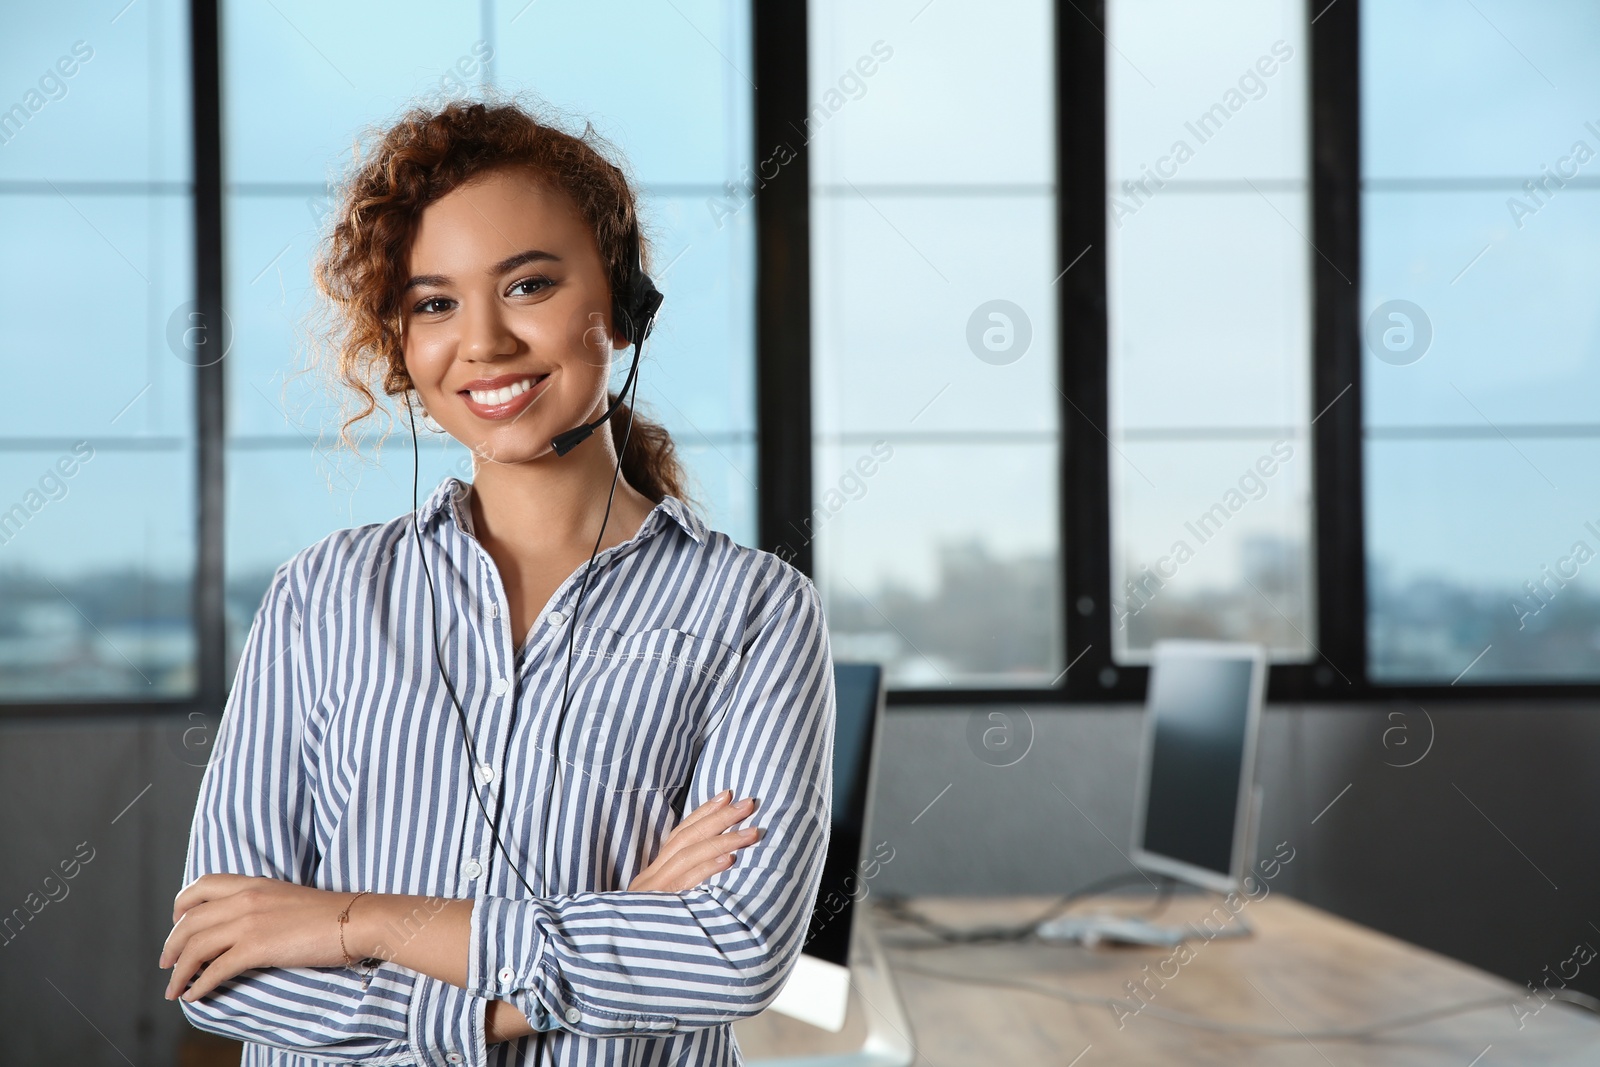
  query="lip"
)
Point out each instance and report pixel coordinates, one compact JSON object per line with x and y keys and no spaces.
{"x":511,"y":407}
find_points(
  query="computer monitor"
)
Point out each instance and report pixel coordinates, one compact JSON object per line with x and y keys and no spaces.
{"x":818,"y":990}
{"x":1194,"y":816}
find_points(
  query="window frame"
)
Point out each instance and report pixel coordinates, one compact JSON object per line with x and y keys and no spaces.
{"x":1338,"y":671}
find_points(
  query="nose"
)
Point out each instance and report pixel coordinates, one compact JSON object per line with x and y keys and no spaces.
{"x":484,"y":333}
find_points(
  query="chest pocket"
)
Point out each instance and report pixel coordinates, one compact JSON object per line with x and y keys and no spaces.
{"x":635,"y":717}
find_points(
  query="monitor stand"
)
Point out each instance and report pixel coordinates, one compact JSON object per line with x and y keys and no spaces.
{"x":876,"y":1031}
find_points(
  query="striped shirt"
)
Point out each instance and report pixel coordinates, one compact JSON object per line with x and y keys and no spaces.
{"x":698,"y":665}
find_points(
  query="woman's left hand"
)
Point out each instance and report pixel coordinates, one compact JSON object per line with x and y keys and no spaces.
{"x":229,"y":923}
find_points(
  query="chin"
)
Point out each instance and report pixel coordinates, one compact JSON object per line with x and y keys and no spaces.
{"x":518,"y":447}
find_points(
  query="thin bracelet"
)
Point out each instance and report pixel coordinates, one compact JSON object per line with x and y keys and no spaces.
{"x":344,"y":919}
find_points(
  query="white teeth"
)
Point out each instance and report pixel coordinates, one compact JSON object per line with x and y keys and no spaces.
{"x":491,"y":397}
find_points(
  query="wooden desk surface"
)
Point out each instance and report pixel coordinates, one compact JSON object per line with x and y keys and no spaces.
{"x":1303,"y":970}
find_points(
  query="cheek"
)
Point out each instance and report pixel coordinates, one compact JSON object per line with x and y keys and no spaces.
{"x":427,"y":357}
{"x":579,"y":341}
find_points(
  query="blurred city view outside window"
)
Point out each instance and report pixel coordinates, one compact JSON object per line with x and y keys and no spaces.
{"x":936,"y":513}
{"x":1480,"y":212}
{"x":97,"y":452}
{"x":1208,"y":280}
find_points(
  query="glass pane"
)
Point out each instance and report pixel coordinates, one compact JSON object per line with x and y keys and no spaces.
{"x":908,"y":92}
{"x":936,"y":511}
{"x":97,"y":458}
{"x":1480,"y":559}
{"x":118,"y":268}
{"x":1209,"y":313}
{"x":305,"y":78}
{"x":903,"y":335}
{"x":1213,"y":542}
{"x":270,"y":296}
{"x":90,"y":615}
{"x":1205,"y":92}
{"x":1482,"y":342}
{"x":96,"y":95}
{"x":942,"y":587}
{"x":1490,"y":89}
{"x":675,"y":90}
{"x":1209,"y":325}
{"x":1507,"y":330}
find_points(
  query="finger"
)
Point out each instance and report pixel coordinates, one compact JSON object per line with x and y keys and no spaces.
{"x":679,"y":880}
{"x":206,"y":887}
{"x":700,"y":853}
{"x":199,"y":949}
{"x":717,"y":822}
{"x":219,"y":970}
{"x":708,"y":828}
{"x":173,"y":946}
{"x":689,"y":879}
{"x":190,"y":924}
{"x":721,"y":800}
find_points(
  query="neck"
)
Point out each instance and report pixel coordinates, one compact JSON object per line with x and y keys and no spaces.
{"x":556,"y":503}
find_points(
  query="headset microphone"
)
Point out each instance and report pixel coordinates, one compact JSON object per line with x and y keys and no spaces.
{"x":633,"y":314}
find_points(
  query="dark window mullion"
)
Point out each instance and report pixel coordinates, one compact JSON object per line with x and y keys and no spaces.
{"x":1083,"y":358}
{"x":783,"y":286}
{"x":210,"y":399}
{"x":1339,"y":543}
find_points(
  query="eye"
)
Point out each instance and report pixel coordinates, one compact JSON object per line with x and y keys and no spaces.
{"x":426,"y":307}
{"x":538,"y":279}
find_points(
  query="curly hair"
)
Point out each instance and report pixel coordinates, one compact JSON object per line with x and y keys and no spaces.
{"x":361,"y":263}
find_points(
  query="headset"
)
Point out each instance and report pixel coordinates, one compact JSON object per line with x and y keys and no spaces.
{"x":633,"y":313}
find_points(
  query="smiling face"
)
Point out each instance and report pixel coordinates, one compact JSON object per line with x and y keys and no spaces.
{"x":506,"y":316}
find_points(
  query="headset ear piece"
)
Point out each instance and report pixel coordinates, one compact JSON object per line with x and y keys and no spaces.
{"x":633,"y":318}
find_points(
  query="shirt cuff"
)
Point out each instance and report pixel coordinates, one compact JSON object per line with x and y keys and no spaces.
{"x":507,"y":951}
{"x":446,"y":1025}
{"x":511,"y":959}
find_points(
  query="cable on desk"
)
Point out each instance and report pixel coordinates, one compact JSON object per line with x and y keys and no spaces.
{"x":1198,"y":1022}
{"x":899,"y":908}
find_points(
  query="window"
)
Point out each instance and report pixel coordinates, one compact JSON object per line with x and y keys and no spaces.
{"x":97,"y":454}
{"x":304,"y":79}
{"x":1091,"y":325}
{"x":935,"y":517}
{"x":1480,"y":207}
{"x":1208,"y":285}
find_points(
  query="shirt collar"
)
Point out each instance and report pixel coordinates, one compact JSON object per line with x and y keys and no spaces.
{"x":449,"y":498}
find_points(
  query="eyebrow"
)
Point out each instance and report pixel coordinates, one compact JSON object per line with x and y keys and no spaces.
{"x":532,"y":255}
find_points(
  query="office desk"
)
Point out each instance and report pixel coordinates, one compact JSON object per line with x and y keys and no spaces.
{"x":1304,"y":970}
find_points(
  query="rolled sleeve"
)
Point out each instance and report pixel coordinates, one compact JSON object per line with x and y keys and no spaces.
{"x":605,"y":964}
{"x":507,"y":951}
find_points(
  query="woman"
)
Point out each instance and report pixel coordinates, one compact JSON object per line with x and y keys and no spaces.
{"x":392,"y":863}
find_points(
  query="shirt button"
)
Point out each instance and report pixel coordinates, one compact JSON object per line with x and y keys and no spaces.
{"x":500,"y":686}
{"x":485,"y":773}
{"x":507,"y":975}
{"x":494,"y":610}
{"x":556,"y":618}
{"x":472,"y":868}
{"x":574,"y":1016}
{"x":454,"y":1057}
